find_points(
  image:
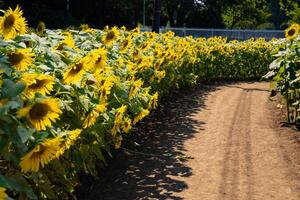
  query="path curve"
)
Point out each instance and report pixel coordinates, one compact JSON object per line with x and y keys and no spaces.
{"x":223,"y":145}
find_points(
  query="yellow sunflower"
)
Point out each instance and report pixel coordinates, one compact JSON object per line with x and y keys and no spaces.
{"x":141,"y":115}
{"x":97,"y":60}
{"x":126,"y":125}
{"x":68,"y":140}
{"x":3,"y":195}
{"x":75,"y":72}
{"x":118,"y":119}
{"x":110,"y":36}
{"x":292,"y":32}
{"x":40,"y":83}
{"x":67,"y":41}
{"x":86,"y":28}
{"x":105,"y":89}
{"x":42,"y":113}
{"x":40,"y":155}
{"x":125,"y":44}
{"x":12,"y":23}
{"x":134,"y":88}
{"x":153,"y":101}
{"x":93,"y":115}
{"x":21,"y":59}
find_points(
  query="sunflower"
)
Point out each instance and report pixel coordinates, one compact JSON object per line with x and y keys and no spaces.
{"x":40,"y":155}
{"x":3,"y":195}
{"x":126,"y":125}
{"x":12,"y":23}
{"x":134,"y":88}
{"x":86,"y":28}
{"x":292,"y":32}
{"x":105,"y":89}
{"x":21,"y":59}
{"x":141,"y":115}
{"x":153,"y":101}
{"x":68,"y":140}
{"x":40,"y":29}
{"x":42,"y":113}
{"x":97,"y":60}
{"x":125,"y":44}
{"x":67,"y":41}
{"x":40,"y":83}
{"x":110,"y":36}
{"x":93,"y":115}
{"x":118,"y":119}
{"x":75,"y":72}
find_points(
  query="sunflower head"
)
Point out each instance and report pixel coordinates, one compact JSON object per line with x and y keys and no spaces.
{"x":75,"y":72}
{"x":41,"y":114}
{"x":21,"y":59}
{"x":40,"y":83}
{"x":110,"y":36}
{"x":40,"y":29}
{"x":12,"y":23}
{"x":292,"y":32}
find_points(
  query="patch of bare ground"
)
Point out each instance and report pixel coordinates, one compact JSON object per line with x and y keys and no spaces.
{"x":212,"y":142}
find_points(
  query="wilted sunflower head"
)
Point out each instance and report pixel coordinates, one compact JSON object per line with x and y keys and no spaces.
{"x":292,"y":32}
{"x":21,"y":59}
{"x":12,"y":23}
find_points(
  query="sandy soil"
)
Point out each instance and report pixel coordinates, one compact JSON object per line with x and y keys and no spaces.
{"x":214,"y":142}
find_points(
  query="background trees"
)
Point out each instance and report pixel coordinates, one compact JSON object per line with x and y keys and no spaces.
{"x":251,"y":14}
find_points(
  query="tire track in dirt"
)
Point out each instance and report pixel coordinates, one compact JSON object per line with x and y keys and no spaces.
{"x":238,"y":141}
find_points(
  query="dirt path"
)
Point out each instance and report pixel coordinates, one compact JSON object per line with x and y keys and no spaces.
{"x":223,"y":143}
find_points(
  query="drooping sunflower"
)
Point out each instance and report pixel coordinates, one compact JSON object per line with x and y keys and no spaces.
{"x":40,"y":155}
{"x":40,"y":83}
{"x":110,"y":36}
{"x":67,"y":140}
{"x":92,"y":116}
{"x":74,"y":73}
{"x":86,"y":28}
{"x":141,"y":115}
{"x":292,"y":32}
{"x":3,"y":195}
{"x":21,"y":59}
{"x":42,"y":113}
{"x":12,"y":23}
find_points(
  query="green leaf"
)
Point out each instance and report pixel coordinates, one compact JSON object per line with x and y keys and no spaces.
{"x":23,"y":133}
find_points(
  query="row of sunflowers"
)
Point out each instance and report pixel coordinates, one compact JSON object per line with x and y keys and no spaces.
{"x":284,"y":72}
{"x":68,"y":96}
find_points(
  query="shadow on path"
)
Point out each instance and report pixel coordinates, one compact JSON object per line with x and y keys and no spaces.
{"x":145,"y":168}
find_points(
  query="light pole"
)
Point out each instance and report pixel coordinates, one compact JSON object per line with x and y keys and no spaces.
{"x":144,"y":12}
{"x":156,"y":16}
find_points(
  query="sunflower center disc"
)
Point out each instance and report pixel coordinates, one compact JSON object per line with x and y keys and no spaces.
{"x":9,"y":21}
{"x":38,"y":111}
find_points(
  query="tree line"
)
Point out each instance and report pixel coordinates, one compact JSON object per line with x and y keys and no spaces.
{"x":244,"y":14}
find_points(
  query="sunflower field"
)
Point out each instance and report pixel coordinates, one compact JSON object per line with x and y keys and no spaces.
{"x":68,"y":96}
{"x":284,"y":72}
